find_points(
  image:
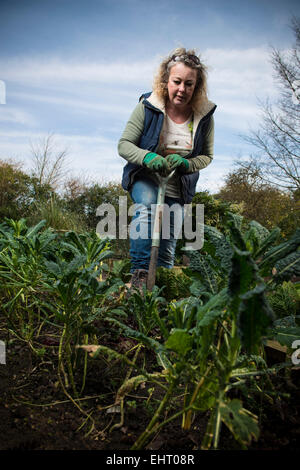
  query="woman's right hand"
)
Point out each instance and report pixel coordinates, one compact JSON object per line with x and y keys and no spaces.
{"x":156,"y":163}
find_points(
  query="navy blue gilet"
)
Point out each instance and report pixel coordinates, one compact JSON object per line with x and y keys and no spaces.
{"x":149,"y":140}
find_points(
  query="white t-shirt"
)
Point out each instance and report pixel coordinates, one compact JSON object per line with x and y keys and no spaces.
{"x":175,"y":138}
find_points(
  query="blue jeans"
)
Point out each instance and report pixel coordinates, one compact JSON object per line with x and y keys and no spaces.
{"x":144,"y":196}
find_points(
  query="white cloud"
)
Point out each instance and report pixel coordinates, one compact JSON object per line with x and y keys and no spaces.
{"x":94,"y":155}
{"x":44,"y":71}
{"x":236,"y":115}
{"x":97,"y":157}
{"x":10,"y":114}
{"x":212,"y":178}
{"x":236,"y":77}
{"x":240,"y":72}
{"x":227,"y":69}
{"x":72,"y":103}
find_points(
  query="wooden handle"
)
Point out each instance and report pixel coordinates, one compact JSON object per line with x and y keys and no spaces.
{"x":152,"y":267}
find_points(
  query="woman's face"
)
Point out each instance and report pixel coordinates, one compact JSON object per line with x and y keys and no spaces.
{"x":181,"y":85}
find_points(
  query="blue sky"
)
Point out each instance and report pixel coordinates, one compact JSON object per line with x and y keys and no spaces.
{"x":76,"y":68}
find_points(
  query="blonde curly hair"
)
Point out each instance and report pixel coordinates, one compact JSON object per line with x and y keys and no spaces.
{"x":190,"y":59}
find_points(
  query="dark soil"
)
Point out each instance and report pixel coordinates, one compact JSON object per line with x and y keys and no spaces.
{"x":36,"y":415}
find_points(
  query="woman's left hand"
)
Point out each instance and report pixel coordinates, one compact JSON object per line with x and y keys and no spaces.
{"x":174,"y":160}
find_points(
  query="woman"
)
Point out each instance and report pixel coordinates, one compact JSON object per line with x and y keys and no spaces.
{"x":171,"y":128}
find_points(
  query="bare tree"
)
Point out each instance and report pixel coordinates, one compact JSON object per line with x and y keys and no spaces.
{"x":260,"y":201}
{"x":75,"y":186}
{"x":49,"y":162}
{"x":278,"y":137}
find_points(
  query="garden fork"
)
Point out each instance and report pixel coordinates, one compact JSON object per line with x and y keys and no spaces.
{"x":163,"y":181}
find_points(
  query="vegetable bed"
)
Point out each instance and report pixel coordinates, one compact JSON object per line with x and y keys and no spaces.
{"x":92,"y":364}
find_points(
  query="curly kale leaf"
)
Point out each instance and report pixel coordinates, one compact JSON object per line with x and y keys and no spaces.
{"x":281,"y":251}
{"x":288,"y":267}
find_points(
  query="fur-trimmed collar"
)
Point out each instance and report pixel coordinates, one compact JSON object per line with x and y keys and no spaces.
{"x":206,"y":107}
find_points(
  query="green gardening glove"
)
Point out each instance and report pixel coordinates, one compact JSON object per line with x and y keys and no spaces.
{"x":176,"y":161}
{"x":156,"y":163}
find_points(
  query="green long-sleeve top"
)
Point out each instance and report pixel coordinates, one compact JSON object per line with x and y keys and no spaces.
{"x":128,"y":144}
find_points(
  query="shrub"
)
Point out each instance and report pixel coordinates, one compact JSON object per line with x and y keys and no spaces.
{"x":285,"y":300}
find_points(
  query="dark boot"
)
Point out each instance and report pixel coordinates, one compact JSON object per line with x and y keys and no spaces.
{"x":139,"y":278}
